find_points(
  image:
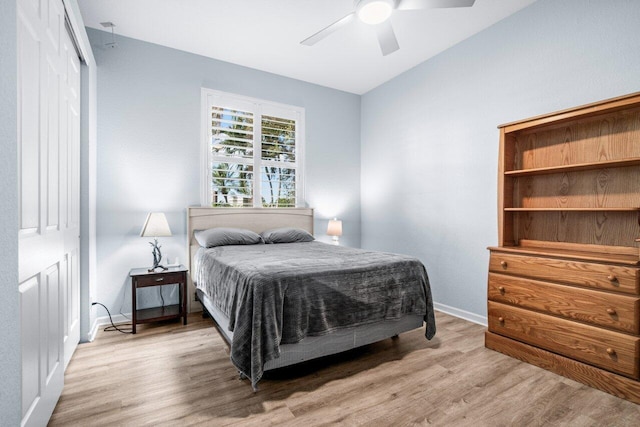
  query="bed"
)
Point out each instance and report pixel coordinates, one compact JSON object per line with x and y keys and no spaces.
{"x":285,"y":303}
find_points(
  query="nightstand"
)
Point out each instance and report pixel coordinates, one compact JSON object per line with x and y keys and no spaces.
{"x":142,"y":278}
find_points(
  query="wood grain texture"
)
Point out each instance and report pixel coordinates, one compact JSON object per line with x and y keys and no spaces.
{"x":604,"y":164}
{"x":559,"y":118}
{"x":606,"y":228}
{"x":601,"y":188}
{"x":608,"y":277}
{"x":619,"y":312}
{"x":606,"y":349}
{"x":574,"y":161}
{"x":616,"y":385}
{"x":506,"y":225}
{"x":606,"y":137}
{"x":598,"y":253}
{"x":571,"y":213}
{"x":170,"y":375}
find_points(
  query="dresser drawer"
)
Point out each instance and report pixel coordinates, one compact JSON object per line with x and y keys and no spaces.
{"x":156,"y":279}
{"x":593,"y":275}
{"x":616,"y":311}
{"x":614,"y":351}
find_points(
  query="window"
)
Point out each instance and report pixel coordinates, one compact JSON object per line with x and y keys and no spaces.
{"x":252,"y":152}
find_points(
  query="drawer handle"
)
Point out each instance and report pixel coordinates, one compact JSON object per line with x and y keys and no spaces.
{"x":501,"y":289}
{"x":611,"y":311}
{"x":611,"y":352}
{"x":612,"y":278}
{"x":501,"y":319}
{"x":160,"y":279}
{"x":503,"y":264}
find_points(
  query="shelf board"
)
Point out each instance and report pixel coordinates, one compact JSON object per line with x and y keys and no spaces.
{"x":575,"y":167}
{"x":624,"y":102}
{"x":158,"y":313}
{"x":617,"y":209}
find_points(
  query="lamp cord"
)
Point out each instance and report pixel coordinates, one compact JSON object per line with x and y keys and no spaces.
{"x":113,"y":327}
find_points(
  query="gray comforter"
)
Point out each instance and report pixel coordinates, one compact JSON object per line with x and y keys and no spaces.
{"x":280,"y":293}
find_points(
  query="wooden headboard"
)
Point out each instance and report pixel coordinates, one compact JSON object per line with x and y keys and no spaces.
{"x":254,"y":219}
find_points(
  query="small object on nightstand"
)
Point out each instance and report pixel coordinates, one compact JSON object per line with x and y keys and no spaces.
{"x":335,"y":229}
{"x":155,"y":226}
{"x":142,"y":277}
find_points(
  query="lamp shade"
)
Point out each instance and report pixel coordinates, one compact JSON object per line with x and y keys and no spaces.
{"x":156,"y":225}
{"x":334,"y":228}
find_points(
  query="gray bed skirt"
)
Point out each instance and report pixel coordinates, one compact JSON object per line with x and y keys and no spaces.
{"x":324,"y":345}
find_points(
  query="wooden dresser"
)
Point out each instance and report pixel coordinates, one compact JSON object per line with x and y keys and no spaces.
{"x":564,"y":282}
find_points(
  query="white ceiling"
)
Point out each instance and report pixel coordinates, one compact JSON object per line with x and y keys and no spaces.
{"x":266,"y":34}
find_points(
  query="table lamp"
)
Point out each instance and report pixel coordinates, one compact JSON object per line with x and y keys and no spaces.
{"x":156,"y":226}
{"x":335,"y":229}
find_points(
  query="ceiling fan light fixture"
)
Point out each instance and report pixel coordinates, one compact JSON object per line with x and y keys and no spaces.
{"x":374,"y":12}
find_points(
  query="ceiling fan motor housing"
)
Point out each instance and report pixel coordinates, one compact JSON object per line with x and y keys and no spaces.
{"x":374,"y":12}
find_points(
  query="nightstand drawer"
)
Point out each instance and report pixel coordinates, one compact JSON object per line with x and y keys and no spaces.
{"x":160,"y":279}
{"x":616,"y":311}
{"x":593,"y":275}
{"x":614,"y":351}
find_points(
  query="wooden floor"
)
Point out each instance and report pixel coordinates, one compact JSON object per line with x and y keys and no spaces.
{"x":175,"y":375}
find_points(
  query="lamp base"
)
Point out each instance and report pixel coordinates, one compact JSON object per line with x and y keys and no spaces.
{"x":157,"y":256}
{"x":335,"y":241}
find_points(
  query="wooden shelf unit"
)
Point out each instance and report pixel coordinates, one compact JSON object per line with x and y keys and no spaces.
{"x":564,"y":280}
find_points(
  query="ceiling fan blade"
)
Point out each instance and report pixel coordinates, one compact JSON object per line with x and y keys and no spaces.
{"x":387,"y":38}
{"x":310,"y":41}
{"x":432,"y":4}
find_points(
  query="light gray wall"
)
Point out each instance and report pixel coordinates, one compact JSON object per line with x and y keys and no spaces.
{"x":88,"y":261}
{"x":149,"y":150}
{"x":430,"y":142}
{"x":10,"y":365}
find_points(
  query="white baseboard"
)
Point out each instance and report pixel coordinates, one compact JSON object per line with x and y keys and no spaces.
{"x":462,"y":314}
{"x":117,"y":318}
{"x":93,"y":331}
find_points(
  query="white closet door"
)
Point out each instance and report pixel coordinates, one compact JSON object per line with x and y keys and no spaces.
{"x":48,"y":146}
{"x":70,"y":193}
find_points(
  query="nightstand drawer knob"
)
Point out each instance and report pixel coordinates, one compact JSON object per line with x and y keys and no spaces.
{"x":611,"y":311}
{"x":611,"y":352}
{"x":612,"y":278}
{"x":501,"y":319}
{"x":501,"y":289}
{"x":503,"y":264}
{"x":160,"y":279}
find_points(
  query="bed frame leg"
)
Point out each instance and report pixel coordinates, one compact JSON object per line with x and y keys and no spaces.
{"x":395,"y":337}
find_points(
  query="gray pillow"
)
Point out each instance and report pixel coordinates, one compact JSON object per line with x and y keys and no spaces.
{"x":224,"y":236}
{"x":286,"y":235}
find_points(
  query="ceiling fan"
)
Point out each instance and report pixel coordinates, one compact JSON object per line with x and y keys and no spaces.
{"x":377,"y":12}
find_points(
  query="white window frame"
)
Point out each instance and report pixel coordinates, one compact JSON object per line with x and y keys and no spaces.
{"x":211,"y":97}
